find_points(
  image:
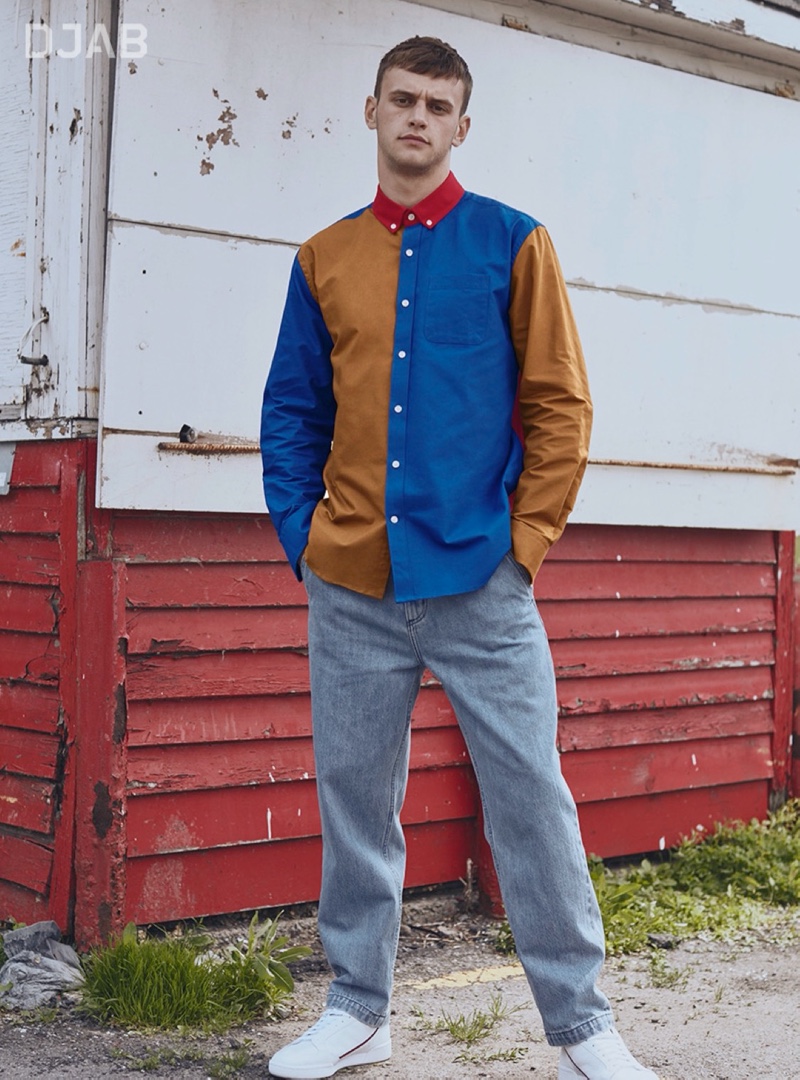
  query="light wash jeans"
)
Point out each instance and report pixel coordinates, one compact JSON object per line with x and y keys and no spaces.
{"x":490,"y":651}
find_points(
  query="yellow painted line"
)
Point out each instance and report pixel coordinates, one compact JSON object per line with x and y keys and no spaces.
{"x":470,"y":978}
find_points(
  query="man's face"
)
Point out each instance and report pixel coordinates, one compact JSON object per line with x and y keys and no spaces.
{"x":417,"y":120}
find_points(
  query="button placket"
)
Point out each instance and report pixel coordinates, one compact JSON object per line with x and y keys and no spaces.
{"x":404,"y":322}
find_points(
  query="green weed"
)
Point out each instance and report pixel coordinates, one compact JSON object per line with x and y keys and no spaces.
{"x":469,"y":1028}
{"x":177,"y":982}
{"x":663,"y":976}
{"x":229,"y":1064}
{"x":715,"y":884}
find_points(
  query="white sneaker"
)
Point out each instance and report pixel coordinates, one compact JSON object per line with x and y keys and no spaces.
{"x":602,"y":1057}
{"x":336,"y":1041}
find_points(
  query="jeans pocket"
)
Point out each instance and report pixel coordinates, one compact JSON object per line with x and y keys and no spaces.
{"x":520,"y":570}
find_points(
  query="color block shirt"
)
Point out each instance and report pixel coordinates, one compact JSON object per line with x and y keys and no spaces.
{"x":408,"y":338}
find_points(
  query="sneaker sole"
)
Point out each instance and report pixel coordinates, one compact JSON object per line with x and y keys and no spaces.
{"x":372,"y":1056}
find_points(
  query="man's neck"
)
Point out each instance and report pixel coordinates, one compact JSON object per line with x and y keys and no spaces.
{"x":410,"y":190}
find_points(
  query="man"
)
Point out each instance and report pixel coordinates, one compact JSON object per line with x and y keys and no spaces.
{"x":410,"y":330}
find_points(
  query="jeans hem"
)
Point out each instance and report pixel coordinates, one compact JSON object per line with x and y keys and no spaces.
{"x":355,"y":1009}
{"x":583,"y":1031}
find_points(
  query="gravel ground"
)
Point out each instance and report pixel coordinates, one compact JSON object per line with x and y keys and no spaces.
{"x":702,"y":1011}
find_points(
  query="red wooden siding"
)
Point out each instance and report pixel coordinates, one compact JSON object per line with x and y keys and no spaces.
{"x":221,"y":807}
{"x":666,"y":677}
{"x":38,"y":533}
{"x":155,"y":750}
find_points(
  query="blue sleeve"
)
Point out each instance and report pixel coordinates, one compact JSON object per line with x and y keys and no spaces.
{"x":297,"y":418}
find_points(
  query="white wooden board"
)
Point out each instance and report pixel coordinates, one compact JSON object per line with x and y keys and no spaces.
{"x":191,"y":324}
{"x":679,"y":191}
{"x":15,"y":121}
{"x":648,"y":178}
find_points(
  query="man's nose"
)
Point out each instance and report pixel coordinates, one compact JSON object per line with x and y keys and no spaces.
{"x":419,"y":114}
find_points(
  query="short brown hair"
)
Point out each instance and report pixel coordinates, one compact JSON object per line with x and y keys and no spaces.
{"x":427,"y":56}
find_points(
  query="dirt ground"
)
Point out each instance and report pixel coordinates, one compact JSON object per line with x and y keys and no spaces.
{"x":703,"y":1010}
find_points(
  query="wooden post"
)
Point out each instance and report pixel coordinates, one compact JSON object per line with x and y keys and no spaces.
{"x":794,"y":780}
{"x":784,"y":675}
{"x":100,"y":753}
{"x":73,"y":470}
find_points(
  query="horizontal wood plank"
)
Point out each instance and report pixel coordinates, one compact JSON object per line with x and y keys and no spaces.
{"x":614,"y":543}
{"x":25,"y":705}
{"x":214,"y":629}
{"x":20,"y":904}
{"x":33,"y":560}
{"x":246,"y":876}
{"x":182,"y":768}
{"x":638,"y":728}
{"x":188,"y":629}
{"x":575,"y":619}
{"x":173,"y":537}
{"x":194,"y":584}
{"x":620,"y":772}
{"x":26,"y":863}
{"x":31,"y":510}
{"x":661,"y":691}
{"x":625,"y":656}
{"x":587,"y":581}
{"x":227,"y":674}
{"x":37,"y":464}
{"x":28,"y":753}
{"x":241,"y":718}
{"x":28,"y":657}
{"x":26,"y":804}
{"x":32,"y":608}
{"x":648,"y":823}
{"x":194,"y":820}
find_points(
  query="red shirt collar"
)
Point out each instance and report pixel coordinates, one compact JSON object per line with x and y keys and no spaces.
{"x":428,"y":212}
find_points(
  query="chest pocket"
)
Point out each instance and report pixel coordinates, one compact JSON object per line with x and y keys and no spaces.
{"x":457,"y":309}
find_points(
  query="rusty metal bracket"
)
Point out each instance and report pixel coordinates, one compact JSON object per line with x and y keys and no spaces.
{"x":35,"y":361}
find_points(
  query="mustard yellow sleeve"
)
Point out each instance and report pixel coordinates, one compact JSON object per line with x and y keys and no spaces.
{"x":555,"y":406}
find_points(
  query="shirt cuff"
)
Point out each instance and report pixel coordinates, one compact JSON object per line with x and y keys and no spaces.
{"x":528,"y":546}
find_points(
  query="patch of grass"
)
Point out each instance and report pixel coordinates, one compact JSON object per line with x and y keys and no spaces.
{"x":663,"y":976}
{"x":760,"y":861}
{"x":225,"y":1065}
{"x":177,"y":982}
{"x":218,"y":1066}
{"x":715,"y":884}
{"x":469,"y":1028}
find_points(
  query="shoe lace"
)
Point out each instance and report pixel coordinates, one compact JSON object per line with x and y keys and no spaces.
{"x":613,"y":1050}
{"x":328,"y":1017}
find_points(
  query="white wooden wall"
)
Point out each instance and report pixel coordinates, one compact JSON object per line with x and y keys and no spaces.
{"x":15,"y":122}
{"x":53,"y":122}
{"x":673,"y":201}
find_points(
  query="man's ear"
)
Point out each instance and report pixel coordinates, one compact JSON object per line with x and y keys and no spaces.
{"x":461,"y":131}
{"x":370,"y":108}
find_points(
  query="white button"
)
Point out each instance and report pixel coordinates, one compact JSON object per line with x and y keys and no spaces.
{"x":429,"y":222}
{"x":398,"y":408}
{"x":395,"y":464}
{"x":409,"y":251}
{"x":393,"y":226}
{"x":402,"y":354}
{"x":394,"y":519}
{"x":405,"y":303}
{"x":411,"y":217}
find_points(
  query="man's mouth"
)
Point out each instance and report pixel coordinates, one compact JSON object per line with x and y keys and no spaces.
{"x":414,"y":138}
